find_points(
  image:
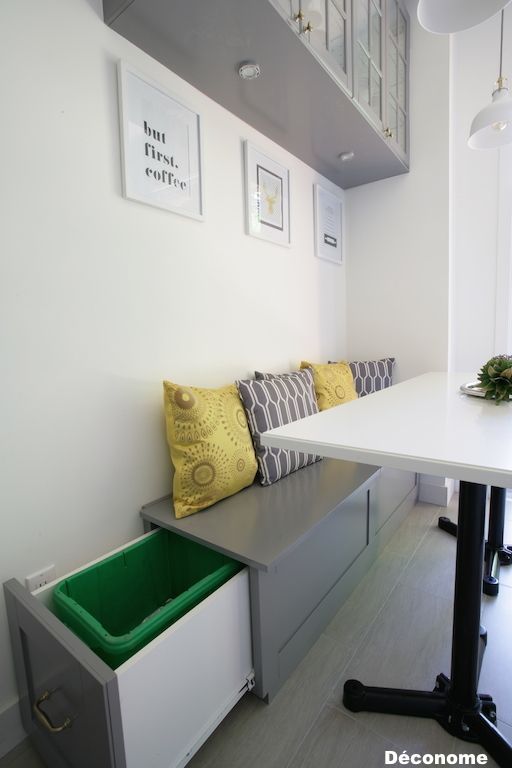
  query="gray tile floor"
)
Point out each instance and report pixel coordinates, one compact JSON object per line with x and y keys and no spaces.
{"x":395,"y":629}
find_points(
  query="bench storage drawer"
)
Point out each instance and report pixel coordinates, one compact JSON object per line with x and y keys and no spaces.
{"x":392,"y":488}
{"x":156,"y":708}
{"x":307,"y":541}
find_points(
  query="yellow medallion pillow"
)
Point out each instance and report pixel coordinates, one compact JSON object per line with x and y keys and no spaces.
{"x":210,"y":445}
{"x":334,"y":383}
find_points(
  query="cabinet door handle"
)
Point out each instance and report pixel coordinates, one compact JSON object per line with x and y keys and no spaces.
{"x":43,"y":717}
{"x":308,"y":27}
{"x":299,"y":16}
{"x":388,"y":133}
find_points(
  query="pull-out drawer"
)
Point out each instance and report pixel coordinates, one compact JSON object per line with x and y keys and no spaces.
{"x":155,"y":709}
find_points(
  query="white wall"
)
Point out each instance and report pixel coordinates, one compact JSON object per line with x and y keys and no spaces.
{"x":398,"y":238}
{"x":429,"y":269}
{"x":101,"y":298}
{"x":481,"y":204}
{"x":437,"y":241}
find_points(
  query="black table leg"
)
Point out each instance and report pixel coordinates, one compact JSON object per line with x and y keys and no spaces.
{"x":454,"y":702}
{"x":496,"y":553}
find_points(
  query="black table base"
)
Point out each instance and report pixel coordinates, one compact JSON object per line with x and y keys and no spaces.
{"x":496,"y":553}
{"x":455,"y":702}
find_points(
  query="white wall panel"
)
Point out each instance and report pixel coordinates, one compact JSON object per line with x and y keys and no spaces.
{"x":398,"y":235}
{"x":101,"y":298}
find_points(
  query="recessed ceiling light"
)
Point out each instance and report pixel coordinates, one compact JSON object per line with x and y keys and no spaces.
{"x":346,"y":156}
{"x":249,"y":70}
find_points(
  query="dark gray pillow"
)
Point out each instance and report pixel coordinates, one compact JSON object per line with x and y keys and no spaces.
{"x":372,"y":375}
{"x":272,"y":402}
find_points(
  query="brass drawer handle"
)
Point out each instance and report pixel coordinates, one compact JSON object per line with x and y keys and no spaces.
{"x":43,"y":717}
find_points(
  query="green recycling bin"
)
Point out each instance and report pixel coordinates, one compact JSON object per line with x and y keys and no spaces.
{"x":119,"y":604}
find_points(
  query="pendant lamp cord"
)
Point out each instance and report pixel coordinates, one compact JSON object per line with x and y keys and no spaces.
{"x":501,"y":44}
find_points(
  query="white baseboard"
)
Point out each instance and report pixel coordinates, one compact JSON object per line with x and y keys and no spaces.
{"x":436,"y":490}
{"x":11,"y":729}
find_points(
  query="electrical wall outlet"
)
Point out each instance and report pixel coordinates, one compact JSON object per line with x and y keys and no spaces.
{"x":40,"y":578}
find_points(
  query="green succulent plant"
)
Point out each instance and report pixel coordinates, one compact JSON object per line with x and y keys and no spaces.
{"x":495,"y":378}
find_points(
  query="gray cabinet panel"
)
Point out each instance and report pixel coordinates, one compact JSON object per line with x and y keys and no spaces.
{"x":304,"y":578}
{"x":293,"y":603}
{"x":113,"y":8}
{"x":392,"y":487}
{"x":49,"y":658}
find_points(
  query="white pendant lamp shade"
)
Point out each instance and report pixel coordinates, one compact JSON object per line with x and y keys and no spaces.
{"x":444,"y":16}
{"x":492,"y":126}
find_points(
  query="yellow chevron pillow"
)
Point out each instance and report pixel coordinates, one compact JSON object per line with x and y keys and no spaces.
{"x":210,"y":445}
{"x":334,"y":383}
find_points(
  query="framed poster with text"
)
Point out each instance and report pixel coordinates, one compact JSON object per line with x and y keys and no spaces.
{"x":328,"y":225}
{"x":161,"y":146}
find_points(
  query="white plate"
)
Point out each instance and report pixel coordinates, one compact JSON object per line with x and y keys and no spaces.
{"x":473,"y":389}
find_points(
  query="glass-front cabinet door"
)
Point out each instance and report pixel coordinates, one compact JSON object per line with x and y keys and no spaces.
{"x":289,"y":8}
{"x":368,"y":58}
{"x":330,"y":35}
{"x":397,"y":96}
{"x":326,"y":26}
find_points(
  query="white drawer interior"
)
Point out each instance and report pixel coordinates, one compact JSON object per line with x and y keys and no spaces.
{"x":175,"y":691}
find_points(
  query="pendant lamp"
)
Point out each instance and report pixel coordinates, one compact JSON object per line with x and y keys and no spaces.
{"x":492,"y":126}
{"x":444,"y":16}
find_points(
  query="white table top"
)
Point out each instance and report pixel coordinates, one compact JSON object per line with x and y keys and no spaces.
{"x":423,"y":425}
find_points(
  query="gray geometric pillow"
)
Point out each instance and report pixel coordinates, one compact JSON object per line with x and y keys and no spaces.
{"x":260,"y":375}
{"x":372,"y":375}
{"x":273,"y":402}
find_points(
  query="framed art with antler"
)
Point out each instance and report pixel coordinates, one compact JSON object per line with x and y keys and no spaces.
{"x":267,"y":197}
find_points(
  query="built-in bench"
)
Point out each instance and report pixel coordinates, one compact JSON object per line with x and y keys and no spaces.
{"x":307,"y":540}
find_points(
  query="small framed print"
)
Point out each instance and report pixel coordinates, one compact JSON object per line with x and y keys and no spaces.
{"x":266,"y":197}
{"x":161,"y":146}
{"x":328,"y":225}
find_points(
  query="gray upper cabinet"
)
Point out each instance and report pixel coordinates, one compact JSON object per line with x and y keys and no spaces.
{"x":397,"y":77}
{"x":381,"y":74}
{"x":333,"y":72}
{"x":368,"y":58}
{"x":326,"y":27}
{"x":364,"y":44}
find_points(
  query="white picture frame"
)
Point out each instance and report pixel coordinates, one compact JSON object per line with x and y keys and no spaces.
{"x":160,"y":146}
{"x":267,"y":197}
{"x":328,"y":210}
